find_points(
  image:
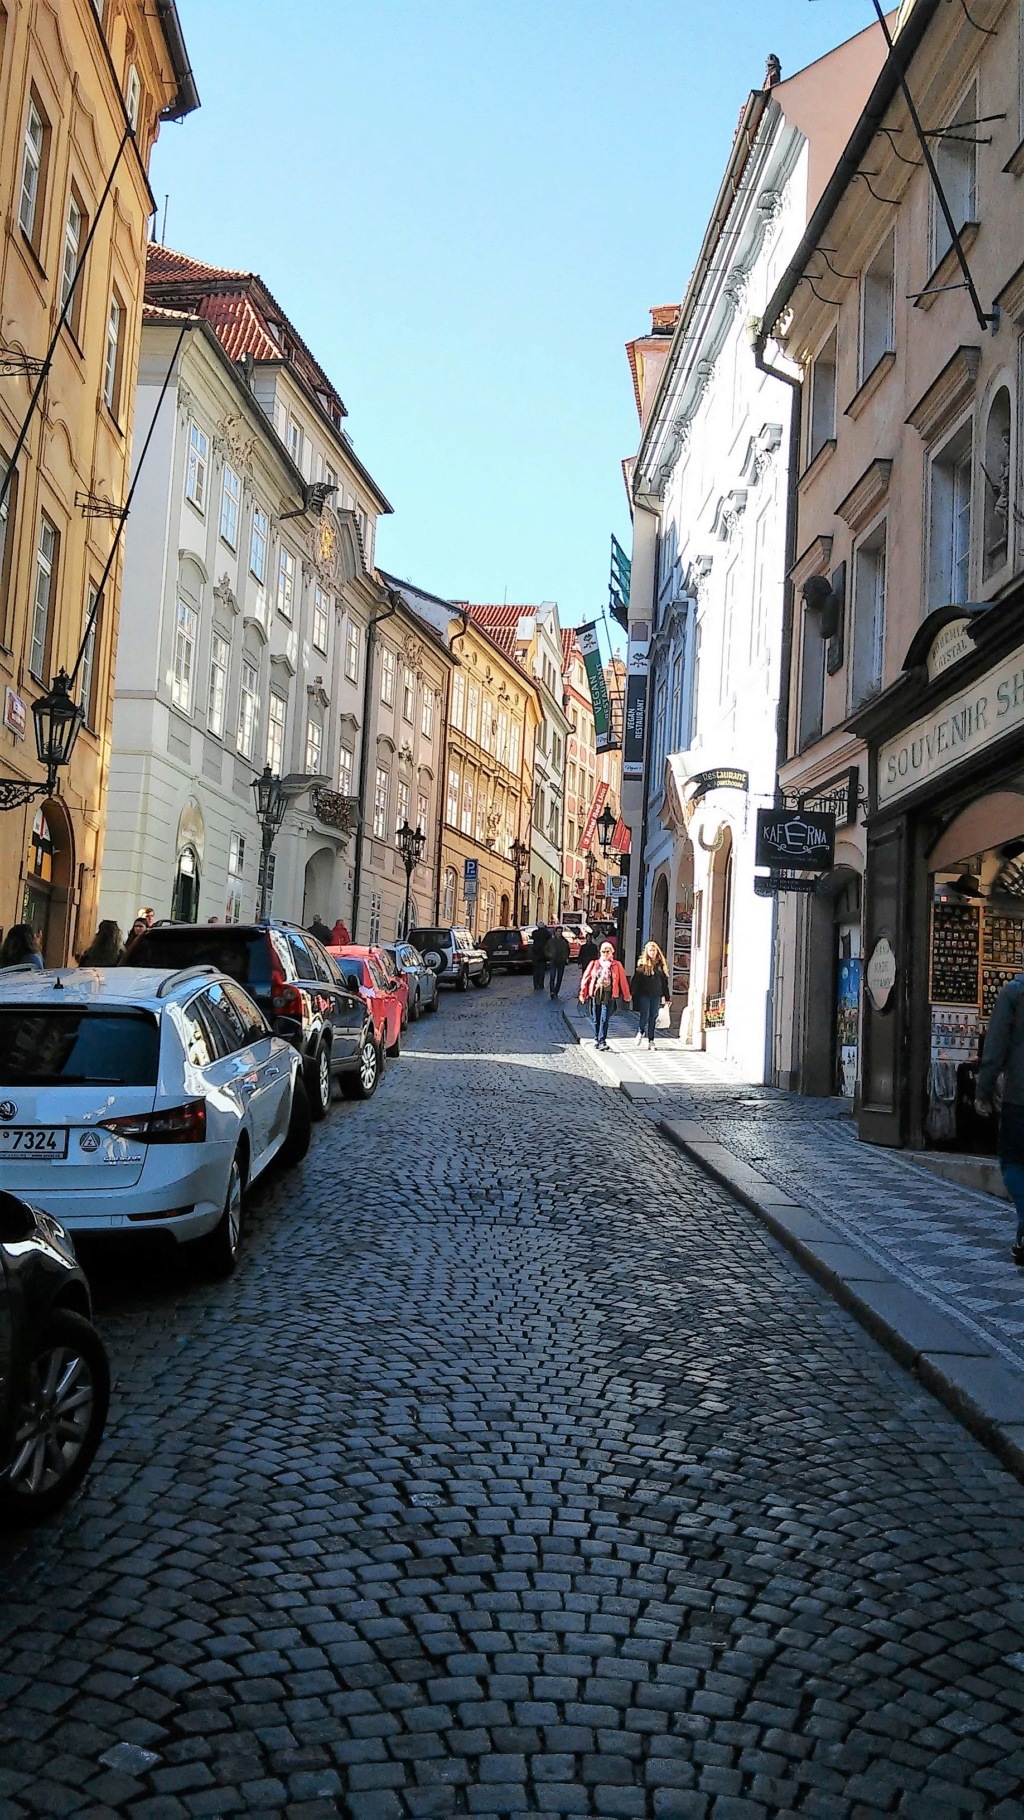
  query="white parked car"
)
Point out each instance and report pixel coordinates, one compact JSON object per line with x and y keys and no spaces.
{"x":135,"y":1097}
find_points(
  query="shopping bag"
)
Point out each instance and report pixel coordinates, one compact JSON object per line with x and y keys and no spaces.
{"x":664,"y":1017}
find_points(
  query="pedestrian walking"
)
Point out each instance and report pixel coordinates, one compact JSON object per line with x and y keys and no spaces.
{"x":21,"y":948}
{"x":106,"y":947}
{"x":558,"y":960}
{"x":603,"y":985}
{"x":340,"y":937}
{"x":588,"y":952}
{"x":650,"y":989}
{"x":1003,"y":1055}
{"x":541,"y":938}
{"x":319,"y":928}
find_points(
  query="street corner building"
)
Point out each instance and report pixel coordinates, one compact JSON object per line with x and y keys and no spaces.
{"x":708,"y":488}
{"x":904,"y":695}
{"x":83,"y":92}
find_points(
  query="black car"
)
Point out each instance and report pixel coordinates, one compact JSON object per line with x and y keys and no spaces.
{"x":298,"y":986}
{"x":509,"y":948}
{"x":54,"y":1376}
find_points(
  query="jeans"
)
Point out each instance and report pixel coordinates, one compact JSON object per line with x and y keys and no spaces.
{"x":1013,"y":1176}
{"x":647,"y":1011}
{"x":555,"y":977}
{"x":602,"y":1018}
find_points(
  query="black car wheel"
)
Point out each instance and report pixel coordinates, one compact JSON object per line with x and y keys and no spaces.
{"x":361,"y":1084}
{"x":59,"y":1420}
{"x":483,"y":978}
{"x":300,"y":1126}
{"x":221,"y":1250}
{"x":319,"y":1083}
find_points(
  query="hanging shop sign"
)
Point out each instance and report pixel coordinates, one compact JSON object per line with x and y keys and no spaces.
{"x":723,"y":777}
{"x":15,"y":715}
{"x":590,"y":825}
{"x":779,"y":882}
{"x":616,"y":887}
{"x":880,"y":974}
{"x":638,"y":658}
{"x":963,"y":726}
{"x":799,"y":839}
{"x":590,"y":651}
{"x":838,"y":796}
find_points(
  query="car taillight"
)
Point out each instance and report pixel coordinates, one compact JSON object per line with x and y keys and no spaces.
{"x":178,"y":1125}
{"x":284,"y":998}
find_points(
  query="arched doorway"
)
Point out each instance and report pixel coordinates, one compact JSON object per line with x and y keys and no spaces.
{"x":49,"y":869}
{"x":185,"y":898}
{"x":317,"y":886}
{"x":720,"y":924}
{"x":504,"y":912}
{"x":659,"y":914}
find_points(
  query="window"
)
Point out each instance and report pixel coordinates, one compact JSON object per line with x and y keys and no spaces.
{"x":230,"y":500}
{"x":949,"y":539}
{"x":480,"y":822}
{"x":486,"y":723}
{"x":195,"y":468}
{"x":402,"y":804}
{"x":408,"y":695}
{"x":295,"y":440}
{"x":956,"y":162}
{"x":427,"y":717}
{"x":996,"y":477}
{"x":314,"y":746}
{"x":113,"y":358}
{"x":276,"y":718}
{"x":320,"y":619}
{"x":74,"y":234}
{"x":7,"y":508}
{"x":380,"y":803}
{"x":422,"y":810}
{"x":248,"y":708}
{"x":345,"y":771}
{"x":258,"y":542}
{"x":87,"y":673}
{"x":473,"y":712}
{"x":236,"y":855}
{"x":46,"y":566}
{"x":184,"y":656}
{"x":352,"y":651}
{"x":812,"y":680}
{"x":452,"y":803}
{"x":876,"y":308}
{"x":466,"y":819}
{"x":502,"y":753}
{"x":33,"y":170}
{"x":458,"y":709}
{"x":513,"y":747}
{"x":451,"y":885}
{"x":220,"y":656}
{"x":132,"y":96}
{"x":823,"y":398}
{"x":387,"y":677}
{"x":868,"y":618}
{"x":375,"y":913}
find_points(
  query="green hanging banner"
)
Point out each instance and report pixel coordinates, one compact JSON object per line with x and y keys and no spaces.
{"x":586,"y":638}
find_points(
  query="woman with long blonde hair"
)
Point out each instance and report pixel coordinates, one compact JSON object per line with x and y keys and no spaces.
{"x":650,"y":989}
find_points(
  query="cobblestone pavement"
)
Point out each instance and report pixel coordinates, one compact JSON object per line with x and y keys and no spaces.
{"x":516,"y":1471}
{"x":949,"y":1243}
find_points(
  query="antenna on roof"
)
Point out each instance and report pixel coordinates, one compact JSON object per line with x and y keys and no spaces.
{"x":163,"y":230}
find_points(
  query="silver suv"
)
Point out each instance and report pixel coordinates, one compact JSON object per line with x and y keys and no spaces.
{"x":454,"y":956}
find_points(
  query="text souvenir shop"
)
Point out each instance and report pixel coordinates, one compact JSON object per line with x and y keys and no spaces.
{"x":944,"y":888}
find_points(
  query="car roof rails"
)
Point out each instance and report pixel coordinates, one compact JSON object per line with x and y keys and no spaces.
{"x":206,"y":970}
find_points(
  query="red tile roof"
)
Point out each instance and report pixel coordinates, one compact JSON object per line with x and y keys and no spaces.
{"x":570,"y":649}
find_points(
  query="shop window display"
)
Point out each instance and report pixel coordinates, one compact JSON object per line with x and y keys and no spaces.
{"x":977,"y":945}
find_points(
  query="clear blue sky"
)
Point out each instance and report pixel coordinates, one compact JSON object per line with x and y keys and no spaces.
{"x":467,"y":207}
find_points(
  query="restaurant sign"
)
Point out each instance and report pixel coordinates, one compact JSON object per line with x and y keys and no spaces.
{"x":961,"y":728}
{"x":799,"y":839}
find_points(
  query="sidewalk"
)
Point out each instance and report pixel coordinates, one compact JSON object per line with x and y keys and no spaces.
{"x":922,"y":1263}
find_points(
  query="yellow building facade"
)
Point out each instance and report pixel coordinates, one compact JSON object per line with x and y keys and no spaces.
{"x":494,"y":711}
{"x":84,"y":86}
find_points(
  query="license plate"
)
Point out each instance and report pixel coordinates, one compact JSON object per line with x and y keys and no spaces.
{"x":33,"y":1140}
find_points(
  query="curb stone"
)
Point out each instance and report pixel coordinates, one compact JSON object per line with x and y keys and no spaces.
{"x":980,"y":1390}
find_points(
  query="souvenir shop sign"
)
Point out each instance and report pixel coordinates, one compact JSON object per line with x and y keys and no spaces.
{"x":963,"y":726}
{"x":880,"y":977}
{"x":802,"y":840}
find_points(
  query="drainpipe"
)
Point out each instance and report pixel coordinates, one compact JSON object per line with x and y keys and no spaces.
{"x":364,"y":754}
{"x":442,"y":787}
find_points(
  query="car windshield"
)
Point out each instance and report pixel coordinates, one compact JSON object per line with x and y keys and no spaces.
{"x":430,"y":938}
{"x":243,"y":957}
{"x":44,"y":1048}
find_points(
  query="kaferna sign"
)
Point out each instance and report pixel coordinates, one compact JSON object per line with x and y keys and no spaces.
{"x":800,"y":840}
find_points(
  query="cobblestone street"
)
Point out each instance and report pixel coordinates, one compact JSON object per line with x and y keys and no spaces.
{"x":517,"y":1470}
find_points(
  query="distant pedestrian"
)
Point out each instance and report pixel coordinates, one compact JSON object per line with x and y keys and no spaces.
{"x":1003,"y":1054}
{"x":588,"y":952}
{"x":650,"y":991}
{"x":21,"y":948}
{"x":138,"y":928}
{"x":603,"y":986}
{"x":319,"y":928}
{"x":541,"y":938}
{"x":558,"y":960}
{"x":340,"y":937}
{"x":150,"y":915}
{"x":106,"y":947}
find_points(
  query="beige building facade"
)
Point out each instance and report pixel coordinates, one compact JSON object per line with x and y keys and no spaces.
{"x":83,"y":90}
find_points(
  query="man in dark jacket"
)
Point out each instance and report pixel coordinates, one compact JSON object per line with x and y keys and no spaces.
{"x":558,"y":960}
{"x":1004,"y":1055}
{"x":319,"y":928}
{"x":541,"y":938}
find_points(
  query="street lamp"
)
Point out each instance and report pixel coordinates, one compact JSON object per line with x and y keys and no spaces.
{"x":607,"y":822}
{"x":591,"y":864}
{"x":520,"y":855}
{"x":271,"y":803}
{"x":410,"y":843}
{"x":57,"y":721}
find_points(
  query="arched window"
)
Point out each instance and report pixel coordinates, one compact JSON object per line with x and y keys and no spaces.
{"x":489,"y":908}
{"x":451,"y":885}
{"x":996,"y":477}
{"x":504,"y":912}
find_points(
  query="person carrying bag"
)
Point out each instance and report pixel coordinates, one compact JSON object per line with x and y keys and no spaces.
{"x":650,"y":992}
{"x":603,"y":985}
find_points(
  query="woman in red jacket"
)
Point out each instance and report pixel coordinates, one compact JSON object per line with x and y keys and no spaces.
{"x":603,"y":984}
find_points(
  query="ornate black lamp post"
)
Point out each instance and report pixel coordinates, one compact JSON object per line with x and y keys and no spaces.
{"x":591,"y":865}
{"x":520,"y":855}
{"x":57,"y":721}
{"x":410,"y":843}
{"x":271,"y":803}
{"x":607,"y":822}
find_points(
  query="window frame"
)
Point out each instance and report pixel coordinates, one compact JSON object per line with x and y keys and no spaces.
{"x":951,"y":467}
{"x":197,"y":466}
{"x":949,"y":154}
{"x":216,"y":697}
{"x":183,"y":664}
{"x":820,"y":366}
{"x":276,"y":725}
{"x":72,"y":247}
{"x":259,"y":539}
{"x":113,"y":355}
{"x":867,"y":358}
{"x":42,"y":612}
{"x":248,"y":708}
{"x":388,"y":668}
{"x":230,"y":506}
{"x":88,"y":680}
{"x":320,"y":619}
{"x":32,"y":229}
{"x":381,"y":800}
{"x":871,"y":549}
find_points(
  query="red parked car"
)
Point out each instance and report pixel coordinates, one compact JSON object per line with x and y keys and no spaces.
{"x":369,"y":971}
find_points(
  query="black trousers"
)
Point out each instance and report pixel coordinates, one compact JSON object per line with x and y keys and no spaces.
{"x":539,"y":970}
{"x":555,"y":977}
